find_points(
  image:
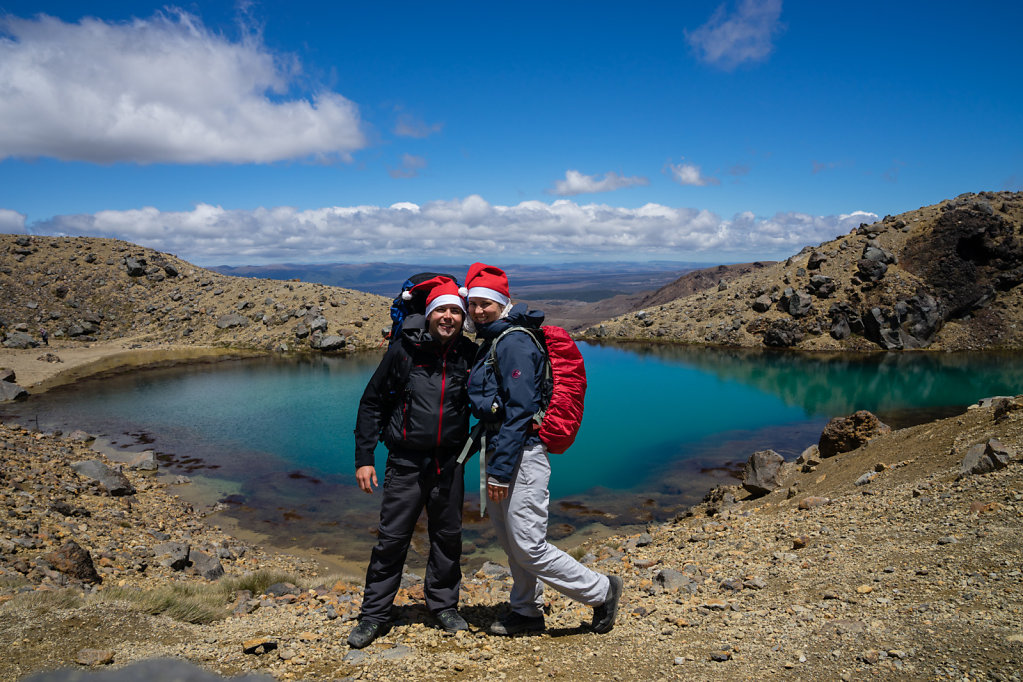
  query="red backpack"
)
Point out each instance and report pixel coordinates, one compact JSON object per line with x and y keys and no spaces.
{"x":564,"y":385}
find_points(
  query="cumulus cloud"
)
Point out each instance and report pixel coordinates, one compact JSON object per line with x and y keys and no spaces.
{"x":411,"y":126}
{"x":821,"y":166}
{"x":409,"y":167}
{"x":11,"y":222}
{"x":159,"y":90}
{"x":688,"y":174}
{"x":745,"y":34}
{"x":577,"y":183}
{"x":455,"y":230}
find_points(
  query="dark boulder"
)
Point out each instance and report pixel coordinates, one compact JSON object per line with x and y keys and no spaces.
{"x":10,"y":391}
{"x":173,"y":555}
{"x":20,"y":341}
{"x":760,"y":475}
{"x":762,"y":303}
{"x":840,"y":328}
{"x":329,"y":342}
{"x":113,"y":481}
{"x":870,"y":270}
{"x":232,"y":320}
{"x":822,"y":286}
{"x":815,"y":261}
{"x":204,"y":564}
{"x":986,"y":457}
{"x":782,"y":334}
{"x":135,"y":268}
{"x":800,"y":304}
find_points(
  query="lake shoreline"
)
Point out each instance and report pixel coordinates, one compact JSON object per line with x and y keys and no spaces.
{"x":865,"y":598}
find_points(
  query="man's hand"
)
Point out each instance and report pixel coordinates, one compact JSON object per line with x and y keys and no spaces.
{"x":367,"y":478}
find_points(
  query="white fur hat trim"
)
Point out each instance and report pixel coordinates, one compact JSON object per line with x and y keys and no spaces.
{"x":445,"y":299}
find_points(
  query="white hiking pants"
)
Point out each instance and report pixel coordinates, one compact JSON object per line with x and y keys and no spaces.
{"x":521,"y":524}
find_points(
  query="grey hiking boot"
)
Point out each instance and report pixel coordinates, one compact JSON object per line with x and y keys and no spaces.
{"x":365,"y":632}
{"x":605,"y":614}
{"x":451,"y":621}
{"x":515,"y":623}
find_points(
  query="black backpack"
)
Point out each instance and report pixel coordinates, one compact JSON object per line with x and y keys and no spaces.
{"x":401,"y":308}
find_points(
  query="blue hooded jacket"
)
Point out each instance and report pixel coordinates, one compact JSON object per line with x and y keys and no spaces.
{"x":506,"y":399}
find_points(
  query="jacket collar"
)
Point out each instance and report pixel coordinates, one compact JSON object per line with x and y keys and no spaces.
{"x":518,"y":316}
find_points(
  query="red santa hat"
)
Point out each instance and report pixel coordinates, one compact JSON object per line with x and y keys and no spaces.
{"x":438,"y":291}
{"x":487,"y":281}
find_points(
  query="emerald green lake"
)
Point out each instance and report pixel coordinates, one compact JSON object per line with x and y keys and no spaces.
{"x":271,"y":438}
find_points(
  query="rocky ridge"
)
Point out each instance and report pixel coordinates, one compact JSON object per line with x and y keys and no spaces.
{"x":911,"y":572}
{"x":943,"y":277}
{"x":92,"y":290}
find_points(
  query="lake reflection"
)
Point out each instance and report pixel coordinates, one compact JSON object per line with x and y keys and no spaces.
{"x":272,"y":437}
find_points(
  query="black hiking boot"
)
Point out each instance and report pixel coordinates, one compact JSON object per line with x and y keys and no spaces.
{"x":515,"y":623}
{"x":365,"y":632}
{"x":451,"y":621}
{"x":605,"y":614}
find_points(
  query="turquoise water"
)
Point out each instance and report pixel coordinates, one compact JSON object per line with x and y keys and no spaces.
{"x":662,"y":425}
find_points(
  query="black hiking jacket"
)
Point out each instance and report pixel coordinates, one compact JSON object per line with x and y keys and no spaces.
{"x":416,"y":402}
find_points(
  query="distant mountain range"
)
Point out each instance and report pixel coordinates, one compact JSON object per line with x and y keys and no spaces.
{"x":588,"y":282}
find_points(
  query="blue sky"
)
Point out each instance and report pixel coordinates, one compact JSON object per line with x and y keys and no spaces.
{"x":518,"y":132}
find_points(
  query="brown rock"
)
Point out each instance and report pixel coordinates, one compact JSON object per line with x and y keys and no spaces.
{"x":74,"y":561}
{"x":259,"y":645}
{"x":811,"y":502}
{"x":843,"y":434}
{"x":94,"y":657}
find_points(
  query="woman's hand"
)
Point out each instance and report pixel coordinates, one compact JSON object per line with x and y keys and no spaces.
{"x":497,"y":493}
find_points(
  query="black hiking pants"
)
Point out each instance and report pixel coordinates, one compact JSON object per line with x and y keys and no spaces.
{"x":409,"y":486}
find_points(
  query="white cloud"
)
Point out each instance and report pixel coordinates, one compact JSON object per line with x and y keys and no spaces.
{"x":11,"y":222}
{"x":411,"y":126}
{"x":159,"y":90}
{"x":577,"y":183}
{"x":688,"y":174}
{"x":409,"y":167}
{"x":744,"y":35}
{"x":460,"y":229}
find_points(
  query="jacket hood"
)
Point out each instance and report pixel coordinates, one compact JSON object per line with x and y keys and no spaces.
{"x":518,"y":316}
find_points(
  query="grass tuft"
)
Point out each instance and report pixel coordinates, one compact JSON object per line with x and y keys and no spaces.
{"x":256,"y":582}
{"x":44,"y":600}
{"x":200,"y":604}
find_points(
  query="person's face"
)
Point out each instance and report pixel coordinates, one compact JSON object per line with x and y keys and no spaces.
{"x":483,"y":310}
{"x":445,"y":322}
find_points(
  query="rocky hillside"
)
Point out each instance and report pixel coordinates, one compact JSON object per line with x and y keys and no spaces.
{"x":943,"y":277}
{"x":84,"y":289}
{"x":700,"y":280}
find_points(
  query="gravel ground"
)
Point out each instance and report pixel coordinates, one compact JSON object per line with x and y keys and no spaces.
{"x":913,"y":575}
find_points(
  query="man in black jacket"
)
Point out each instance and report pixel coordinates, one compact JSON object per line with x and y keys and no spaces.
{"x":416,"y":403}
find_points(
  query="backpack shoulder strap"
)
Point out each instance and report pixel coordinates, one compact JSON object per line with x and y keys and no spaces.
{"x":548,"y":370}
{"x":492,"y":359}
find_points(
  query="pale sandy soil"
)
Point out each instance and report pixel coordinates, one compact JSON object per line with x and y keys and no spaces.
{"x":77,"y":361}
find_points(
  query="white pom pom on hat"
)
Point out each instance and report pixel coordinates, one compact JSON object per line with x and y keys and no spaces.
{"x":406,"y":295}
{"x":463,"y":292}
